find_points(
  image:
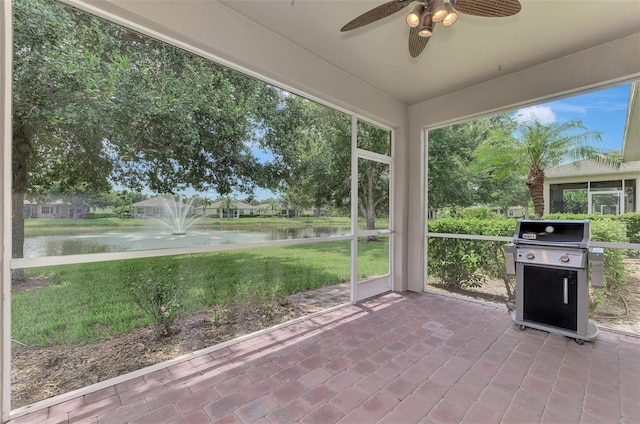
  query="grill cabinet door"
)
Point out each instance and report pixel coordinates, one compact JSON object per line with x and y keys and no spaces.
{"x":548,"y":300}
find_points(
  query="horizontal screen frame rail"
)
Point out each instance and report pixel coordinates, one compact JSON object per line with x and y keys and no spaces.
{"x":610,"y":245}
{"x":20,"y":263}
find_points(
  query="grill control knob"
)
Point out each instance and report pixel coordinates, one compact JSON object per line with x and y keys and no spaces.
{"x":564,"y":259}
{"x":530,"y":255}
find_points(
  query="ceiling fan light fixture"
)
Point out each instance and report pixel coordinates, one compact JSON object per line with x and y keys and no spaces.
{"x":451,"y":16}
{"x":413,"y":18}
{"x":423,"y":18}
{"x":426,"y":25}
{"x":438,"y":10}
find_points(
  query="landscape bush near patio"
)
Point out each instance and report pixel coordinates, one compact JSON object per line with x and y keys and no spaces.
{"x":75,"y":325}
{"x":465,"y":263}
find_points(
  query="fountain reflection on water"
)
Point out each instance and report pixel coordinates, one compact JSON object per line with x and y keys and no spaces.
{"x":177,"y":216}
{"x":124,"y":240}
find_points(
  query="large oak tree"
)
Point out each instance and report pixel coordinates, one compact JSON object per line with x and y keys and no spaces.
{"x":453,"y":182}
{"x":311,"y":144}
{"x":95,"y":105}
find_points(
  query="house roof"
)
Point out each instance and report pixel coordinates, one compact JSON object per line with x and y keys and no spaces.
{"x":154,"y":202}
{"x":268,"y":206}
{"x":235,"y":204}
{"x":46,"y":202}
{"x":590,"y":167}
{"x":243,"y":205}
{"x":631,"y":144}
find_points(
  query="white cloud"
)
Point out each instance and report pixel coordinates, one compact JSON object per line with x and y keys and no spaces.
{"x":544,"y":114}
{"x":569,"y":108}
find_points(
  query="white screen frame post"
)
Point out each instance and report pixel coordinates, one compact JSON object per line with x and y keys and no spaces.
{"x":6,"y":66}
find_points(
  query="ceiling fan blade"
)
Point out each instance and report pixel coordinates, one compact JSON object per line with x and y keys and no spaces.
{"x":417,"y":43}
{"x":376,"y":14}
{"x":487,"y":8}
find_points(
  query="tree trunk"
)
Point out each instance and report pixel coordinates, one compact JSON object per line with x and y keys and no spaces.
{"x":367,"y":205}
{"x":510,"y":287}
{"x":21,"y":154}
{"x":535,"y":183}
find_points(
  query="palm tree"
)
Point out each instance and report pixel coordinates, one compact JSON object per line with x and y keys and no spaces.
{"x":204,"y":202}
{"x":273,"y":205}
{"x":534,"y":147}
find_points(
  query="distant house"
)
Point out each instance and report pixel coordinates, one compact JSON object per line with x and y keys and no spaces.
{"x":158,"y":206}
{"x":511,"y":211}
{"x":317,"y":213}
{"x":235,"y":209}
{"x":57,"y":209}
{"x":268,"y":209}
{"x":606,"y":190}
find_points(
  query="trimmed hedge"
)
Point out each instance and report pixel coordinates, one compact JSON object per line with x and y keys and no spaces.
{"x":607,"y":228}
{"x":99,"y":215}
{"x":469,"y":263}
{"x":632,"y":221}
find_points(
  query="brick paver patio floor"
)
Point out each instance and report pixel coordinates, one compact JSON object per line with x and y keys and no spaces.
{"x":398,"y":358}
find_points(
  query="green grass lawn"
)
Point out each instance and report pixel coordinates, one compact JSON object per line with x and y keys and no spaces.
{"x":85,"y":303}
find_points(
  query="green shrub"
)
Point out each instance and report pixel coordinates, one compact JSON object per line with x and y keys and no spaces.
{"x":606,"y":228}
{"x":99,"y":215}
{"x":482,"y":213}
{"x":632,"y":222}
{"x":580,"y":216}
{"x":468,"y":263}
{"x":156,"y":293}
{"x":614,"y":272}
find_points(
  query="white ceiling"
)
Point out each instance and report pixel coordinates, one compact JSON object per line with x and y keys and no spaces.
{"x":472,"y":51}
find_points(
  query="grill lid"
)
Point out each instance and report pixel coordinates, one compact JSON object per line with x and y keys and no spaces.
{"x":553,"y":233}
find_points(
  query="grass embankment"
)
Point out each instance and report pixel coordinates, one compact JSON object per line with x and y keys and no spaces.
{"x":85,"y":303}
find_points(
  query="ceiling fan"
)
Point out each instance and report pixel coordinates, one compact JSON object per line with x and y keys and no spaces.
{"x":427,"y":13}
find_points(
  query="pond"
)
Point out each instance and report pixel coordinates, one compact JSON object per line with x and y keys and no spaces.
{"x":123,"y":241}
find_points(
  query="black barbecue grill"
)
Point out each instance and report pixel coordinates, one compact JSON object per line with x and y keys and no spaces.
{"x":550,"y":260}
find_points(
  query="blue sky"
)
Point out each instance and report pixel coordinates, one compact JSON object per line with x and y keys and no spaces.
{"x":604,"y":111}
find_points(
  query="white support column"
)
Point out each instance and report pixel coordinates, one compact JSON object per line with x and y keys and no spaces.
{"x":623,"y":200}
{"x":424,"y":204}
{"x":6,"y":52}
{"x":415,"y":245}
{"x":399,"y":207}
{"x":354,"y":208}
{"x":589,"y":201}
{"x":636,"y":203}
